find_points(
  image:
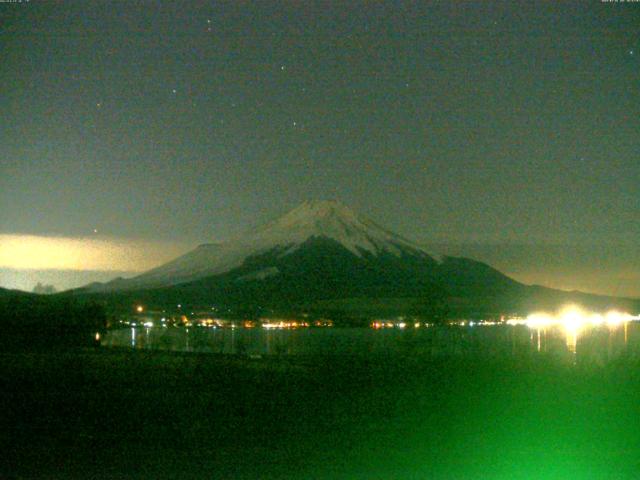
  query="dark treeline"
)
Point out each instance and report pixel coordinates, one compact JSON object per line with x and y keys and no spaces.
{"x":39,"y":321}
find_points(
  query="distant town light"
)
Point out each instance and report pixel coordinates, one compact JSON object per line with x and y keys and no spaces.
{"x":139,"y":309}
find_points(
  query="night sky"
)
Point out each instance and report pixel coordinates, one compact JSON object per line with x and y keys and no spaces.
{"x":132,"y":131}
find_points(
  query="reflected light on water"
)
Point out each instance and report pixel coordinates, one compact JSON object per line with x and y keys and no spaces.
{"x":573,"y":319}
{"x":567,"y":338}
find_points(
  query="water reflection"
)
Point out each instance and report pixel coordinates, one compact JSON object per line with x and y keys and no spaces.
{"x":570,"y":341}
{"x":572,"y":338}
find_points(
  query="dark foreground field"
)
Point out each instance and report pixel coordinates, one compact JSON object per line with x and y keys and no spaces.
{"x":119,"y":414}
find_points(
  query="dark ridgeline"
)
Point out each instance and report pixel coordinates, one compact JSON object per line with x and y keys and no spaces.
{"x":32,"y":321}
{"x":324,"y":260}
{"x":324,"y":279}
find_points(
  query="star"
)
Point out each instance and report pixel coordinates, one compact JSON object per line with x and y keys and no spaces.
{"x":282,"y":67}
{"x":174,"y":91}
{"x":98,"y":104}
{"x":295,"y":124}
{"x":95,"y":230}
{"x":631,"y":52}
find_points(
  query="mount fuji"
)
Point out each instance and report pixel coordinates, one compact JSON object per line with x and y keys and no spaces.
{"x":323,"y":256}
{"x":327,"y":221}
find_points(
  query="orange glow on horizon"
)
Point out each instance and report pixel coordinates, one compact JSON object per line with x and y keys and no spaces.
{"x":78,"y":253}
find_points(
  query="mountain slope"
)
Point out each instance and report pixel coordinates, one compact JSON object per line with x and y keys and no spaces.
{"x":321,"y":255}
{"x":326,"y":219}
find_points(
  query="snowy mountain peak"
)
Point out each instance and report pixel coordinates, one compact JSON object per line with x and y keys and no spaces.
{"x":314,"y":210}
{"x":312,"y":219}
{"x":333,"y":220}
{"x":317,"y":214}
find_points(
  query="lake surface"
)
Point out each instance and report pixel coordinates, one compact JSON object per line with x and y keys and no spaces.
{"x":519,"y":415}
{"x":594,"y":344}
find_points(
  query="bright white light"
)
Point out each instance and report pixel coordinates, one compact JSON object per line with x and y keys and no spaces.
{"x":573,"y":318}
{"x":597,"y":319}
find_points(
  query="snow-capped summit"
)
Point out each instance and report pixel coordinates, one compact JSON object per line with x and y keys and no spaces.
{"x":331,"y":219}
{"x":312,"y":219}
